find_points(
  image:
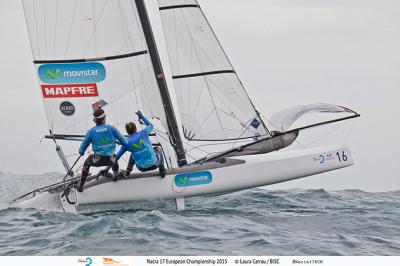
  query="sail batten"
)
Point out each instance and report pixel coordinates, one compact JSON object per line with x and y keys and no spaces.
{"x":203,"y":74}
{"x":177,"y":6}
{"x":106,"y":58}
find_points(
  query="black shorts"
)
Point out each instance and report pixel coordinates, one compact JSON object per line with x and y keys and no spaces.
{"x":97,"y":160}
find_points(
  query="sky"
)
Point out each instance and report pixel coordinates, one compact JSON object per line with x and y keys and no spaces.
{"x":286,"y":52}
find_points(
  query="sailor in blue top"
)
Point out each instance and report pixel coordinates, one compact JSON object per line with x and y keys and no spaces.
{"x":103,"y":139}
{"x":139,"y":144}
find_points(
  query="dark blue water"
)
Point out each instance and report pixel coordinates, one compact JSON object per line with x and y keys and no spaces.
{"x":252,"y":222}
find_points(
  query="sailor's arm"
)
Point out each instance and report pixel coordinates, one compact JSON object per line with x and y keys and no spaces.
{"x":149,"y":125}
{"x":121,"y":152}
{"x":120,"y":137}
{"x":85,"y":144}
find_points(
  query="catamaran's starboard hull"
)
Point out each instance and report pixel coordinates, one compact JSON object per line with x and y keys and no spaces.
{"x":243,"y":173}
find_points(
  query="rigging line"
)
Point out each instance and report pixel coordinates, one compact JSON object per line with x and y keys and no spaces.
{"x":202,"y":67}
{"x":124,"y":21}
{"x":208,"y":37}
{"x":234,"y":117}
{"x":222,"y":140}
{"x":196,"y":148}
{"x":205,"y":120}
{"x":206,"y":54}
{"x":160,"y":134}
{"x":36,"y":29}
{"x":148,"y":74}
{"x":95,"y":27}
{"x":55,"y":31}
{"x":190,"y":62}
{"x":228,"y":98}
{"x":45,"y":29}
{"x":196,"y":109}
{"x":220,"y":52}
{"x":221,"y":47}
{"x":176,"y":42}
{"x":70,"y":29}
{"x":217,"y":131}
{"x":95,"y":37}
{"x":327,"y":134}
{"x":351,"y":131}
{"x":138,"y":22}
{"x":241,"y":83}
{"x":87,"y":116}
{"x":167,"y":139}
{"x":217,"y":144}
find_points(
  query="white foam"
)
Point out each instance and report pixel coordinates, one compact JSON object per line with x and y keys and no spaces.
{"x":44,"y":201}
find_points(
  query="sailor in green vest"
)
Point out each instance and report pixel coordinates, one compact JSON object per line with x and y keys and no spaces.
{"x":139,"y":144}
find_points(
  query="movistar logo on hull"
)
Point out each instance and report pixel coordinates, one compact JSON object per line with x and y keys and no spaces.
{"x":193,"y":179}
{"x":79,"y":73}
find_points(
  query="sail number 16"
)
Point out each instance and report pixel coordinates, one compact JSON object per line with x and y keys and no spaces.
{"x":342,"y":157}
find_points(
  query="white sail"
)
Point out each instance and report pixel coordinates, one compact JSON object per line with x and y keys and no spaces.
{"x":212,"y":102}
{"x":283,"y":120}
{"x":86,"y":51}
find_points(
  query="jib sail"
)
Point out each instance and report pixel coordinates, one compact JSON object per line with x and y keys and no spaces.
{"x":213,"y":103}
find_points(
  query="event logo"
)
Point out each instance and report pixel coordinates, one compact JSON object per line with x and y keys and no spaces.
{"x":112,"y":262}
{"x":67,"y":108}
{"x":70,"y":91}
{"x":88,"y":261}
{"x":92,"y":72}
{"x":193,"y":179}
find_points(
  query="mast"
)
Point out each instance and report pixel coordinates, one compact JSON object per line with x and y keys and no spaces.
{"x":162,"y":84}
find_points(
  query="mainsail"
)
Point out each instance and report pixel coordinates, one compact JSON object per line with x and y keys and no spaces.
{"x":213,"y":103}
{"x":90,"y":52}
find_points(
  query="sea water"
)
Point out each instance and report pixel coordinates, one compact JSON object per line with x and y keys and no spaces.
{"x":251,"y":222}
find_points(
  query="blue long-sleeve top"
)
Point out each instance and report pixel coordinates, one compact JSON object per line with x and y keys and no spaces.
{"x":103,"y":140}
{"x":139,"y":144}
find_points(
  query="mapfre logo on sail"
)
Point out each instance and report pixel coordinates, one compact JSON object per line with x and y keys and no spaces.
{"x":70,"y":91}
{"x":76,"y":73}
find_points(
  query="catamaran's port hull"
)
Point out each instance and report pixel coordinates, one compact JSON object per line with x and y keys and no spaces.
{"x":232,"y":175}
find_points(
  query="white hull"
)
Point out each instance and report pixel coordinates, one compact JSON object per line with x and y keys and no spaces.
{"x":251,"y":171}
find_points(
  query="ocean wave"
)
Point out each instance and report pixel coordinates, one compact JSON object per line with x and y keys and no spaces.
{"x":251,"y":222}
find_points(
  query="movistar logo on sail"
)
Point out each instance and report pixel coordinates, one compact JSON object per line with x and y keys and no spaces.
{"x":53,"y":74}
{"x":78,"y":73}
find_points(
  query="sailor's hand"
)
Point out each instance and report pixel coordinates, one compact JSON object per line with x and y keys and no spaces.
{"x":81,"y":153}
{"x":139,"y":114}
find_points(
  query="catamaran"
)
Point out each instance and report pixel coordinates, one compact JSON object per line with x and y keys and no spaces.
{"x":114,"y":54}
